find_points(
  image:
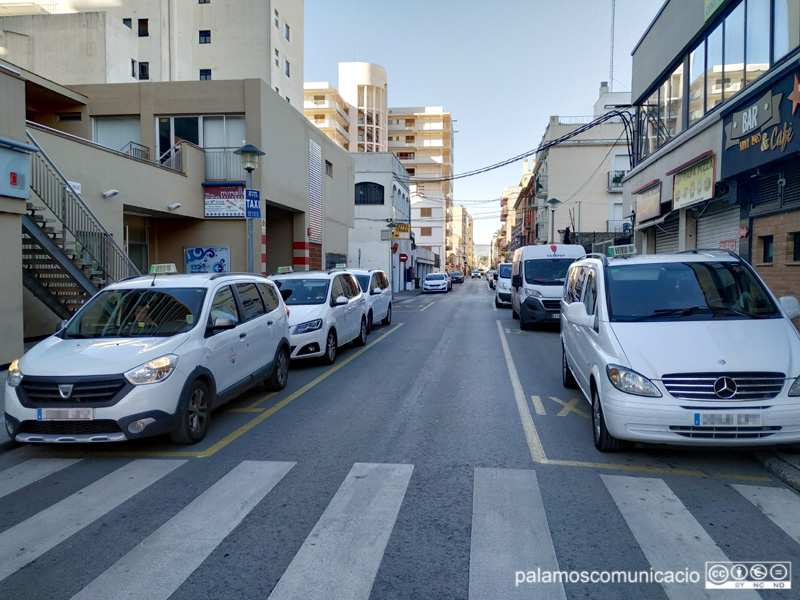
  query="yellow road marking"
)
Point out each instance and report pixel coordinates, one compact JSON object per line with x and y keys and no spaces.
{"x":570,"y":407}
{"x":659,"y":470}
{"x":538,"y":406}
{"x":427,"y":306}
{"x":254,"y":406}
{"x":261,"y":417}
{"x":531,"y":435}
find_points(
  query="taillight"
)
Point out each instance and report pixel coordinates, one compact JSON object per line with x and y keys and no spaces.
{"x":287,"y":310}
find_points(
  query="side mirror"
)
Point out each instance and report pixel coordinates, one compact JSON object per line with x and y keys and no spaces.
{"x":790,"y":306}
{"x":376,"y":290}
{"x":340,"y":300}
{"x":221,"y":323}
{"x":61,"y":325}
{"x":576,"y":314}
{"x":516,"y":280}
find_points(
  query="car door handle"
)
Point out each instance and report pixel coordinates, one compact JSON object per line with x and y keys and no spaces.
{"x":270,"y":323}
{"x":242,"y":336}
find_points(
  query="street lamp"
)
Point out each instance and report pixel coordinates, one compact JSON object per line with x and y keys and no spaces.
{"x":553,"y":202}
{"x":249,"y":155}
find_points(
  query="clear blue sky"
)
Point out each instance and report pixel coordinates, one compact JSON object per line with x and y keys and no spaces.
{"x":500,"y":68}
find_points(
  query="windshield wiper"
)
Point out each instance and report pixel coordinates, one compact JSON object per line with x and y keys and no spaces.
{"x":692,"y":310}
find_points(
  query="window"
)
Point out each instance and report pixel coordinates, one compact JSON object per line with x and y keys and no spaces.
{"x":144,"y":70}
{"x":270,"y":296}
{"x":328,"y":168}
{"x":276,"y":19}
{"x":733,"y":65}
{"x":128,"y":23}
{"x":766,"y":245}
{"x":757,"y":49}
{"x":697,"y":83}
{"x":143,"y":28}
{"x":205,"y":36}
{"x":68,"y":116}
{"x":205,"y":74}
{"x":286,"y":32}
{"x":425,"y":212}
{"x":786,"y":28}
{"x":406,"y":155}
{"x":795,"y":246}
{"x":133,"y":68}
{"x":224,"y":305}
{"x":426,"y":231}
{"x":369,"y":193}
{"x":287,"y":69}
{"x":204,"y":1}
{"x":411,"y":172}
{"x":251,"y":300}
{"x":409,"y":139}
{"x":590,"y":294}
{"x":277,"y":58}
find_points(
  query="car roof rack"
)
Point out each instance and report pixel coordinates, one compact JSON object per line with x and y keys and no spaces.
{"x":710,"y":251}
{"x":603,"y":258}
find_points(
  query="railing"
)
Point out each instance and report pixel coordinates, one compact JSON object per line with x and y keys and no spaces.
{"x":223,"y":165}
{"x":136,"y":150}
{"x":618,"y":226}
{"x":172,"y":158}
{"x":77,"y":218}
{"x":615,"y":180}
{"x":541,"y":185}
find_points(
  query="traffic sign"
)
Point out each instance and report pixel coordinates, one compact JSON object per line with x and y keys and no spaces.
{"x":252,"y":204}
{"x":403,"y":257}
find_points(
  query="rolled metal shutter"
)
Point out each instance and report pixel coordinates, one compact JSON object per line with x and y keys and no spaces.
{"x":717,"y":227}
{"x":667,"y":235}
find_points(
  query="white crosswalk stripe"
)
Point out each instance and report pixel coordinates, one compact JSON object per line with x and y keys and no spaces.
{"x":157,"y":567}
{"x":33,"y":537}
{"x":31,"y":471}
{"x":341,"y":555}
{"x":779,"y":504}
{"x":668,"y":534}
{"x":509,"y":534}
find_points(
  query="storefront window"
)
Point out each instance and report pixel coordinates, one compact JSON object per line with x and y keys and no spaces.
{"x":786,"y":28}
{"x":757,"y":52}
{"x":714,"y":68}
{"x":734,"y":52}
{"x":697,"y":83}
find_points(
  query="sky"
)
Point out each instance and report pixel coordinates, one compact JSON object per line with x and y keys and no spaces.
{"x":500,"y":68}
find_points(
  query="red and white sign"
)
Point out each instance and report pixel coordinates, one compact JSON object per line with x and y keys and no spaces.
{"x":403,"y":257}
{"x":729,"y":245}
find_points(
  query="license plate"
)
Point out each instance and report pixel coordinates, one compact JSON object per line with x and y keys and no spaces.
{"x":556,"y":315}
{"x":65,"y":414}
{"x":731,"y":419}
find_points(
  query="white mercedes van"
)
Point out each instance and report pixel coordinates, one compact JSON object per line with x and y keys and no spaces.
{"x":537,"y":278}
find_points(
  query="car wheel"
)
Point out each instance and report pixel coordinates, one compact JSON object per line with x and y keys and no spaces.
{"x":280,"y":374}
{"x":514,"y":314}
{"x":369,"y":322}
{"x":195,"y":415}
{"x":603,"y":440}
{"x":330,"y":348}
{"x":388,"y":319}
{"x":361,"y":340}
{"x":523,"y":324}
{"x":567,"y":378}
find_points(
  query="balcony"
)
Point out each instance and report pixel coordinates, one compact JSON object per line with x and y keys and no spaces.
{"x":541,"y":186}
{"x":615,"y":180}
{"x":223,"y":165}
{"x":618,"y":226}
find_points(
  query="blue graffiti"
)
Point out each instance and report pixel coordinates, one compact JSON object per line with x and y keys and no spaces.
{"x":198,"y":254}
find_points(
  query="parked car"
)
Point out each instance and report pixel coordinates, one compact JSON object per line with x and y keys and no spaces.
{"x":149,"y":356}
{"x":457,"y":276}
{"x":491,"y":276}
{"x":537,"y":279}
{"x":375,"y":286}
{"x":449,"y":280}
{"x":502,"y":284}
{"x":327,"y":310}
{"x":435,"y":282}
{"x":685,"y":348}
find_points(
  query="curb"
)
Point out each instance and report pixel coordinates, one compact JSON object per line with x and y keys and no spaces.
{"x":777,"y":466}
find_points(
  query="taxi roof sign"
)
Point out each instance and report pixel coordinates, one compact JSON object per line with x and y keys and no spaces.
{"x":163,"y":269}
{"x":282,"y":270}
{"x":623,"y":250}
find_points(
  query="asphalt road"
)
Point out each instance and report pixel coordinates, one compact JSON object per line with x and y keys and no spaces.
{"x":443,"y":460}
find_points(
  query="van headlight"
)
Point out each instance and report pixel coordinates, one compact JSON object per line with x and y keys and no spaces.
{"x":631,"y":382}
{"x":533,"y":293}
{"x":793,"y":391}
{"x":154,"y":371}
{"x":14,"y":374}
{"x":308,"y":326}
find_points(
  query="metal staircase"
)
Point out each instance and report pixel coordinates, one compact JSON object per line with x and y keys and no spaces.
{"x":67,"y":254}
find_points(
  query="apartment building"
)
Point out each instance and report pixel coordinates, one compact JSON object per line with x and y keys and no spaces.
{"x":461,"y":240}
{"x":422,"y":138}
{"x":99,"y":41}
{"x":716,"y":94}
{"x":324,"y":106}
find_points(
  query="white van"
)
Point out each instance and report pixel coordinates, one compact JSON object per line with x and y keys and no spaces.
{"x":537,"y":279}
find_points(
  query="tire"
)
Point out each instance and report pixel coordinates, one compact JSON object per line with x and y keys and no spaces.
{"x":330,"y":348}
{"x":369,"y":323}
{"x":567,"y":378}
{"x":361,"y":340}
{"x":603,"y":440}
{"x":195,"y":415}
{"x":514,"y":314}
{"x":280,"y":374}
{"x":387,"y":320}
{"x":523,"y":324}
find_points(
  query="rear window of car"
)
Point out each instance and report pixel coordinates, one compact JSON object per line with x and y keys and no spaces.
{"x":687,"y":291}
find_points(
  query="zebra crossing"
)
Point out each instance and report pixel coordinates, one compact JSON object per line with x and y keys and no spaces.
{"x":341,"y":556}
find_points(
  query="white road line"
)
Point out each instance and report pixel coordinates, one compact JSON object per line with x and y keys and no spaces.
{"x":31,"y":471}
{"x":668,"y":534}
{"x":510,"y":535}
{"x":160,"y":564}
{"x":341,"y":555}
{"x":779,"y":504}
{"x":33,"y":537}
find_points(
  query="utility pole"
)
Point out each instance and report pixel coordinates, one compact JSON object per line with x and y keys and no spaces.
{"x":611,"y":74}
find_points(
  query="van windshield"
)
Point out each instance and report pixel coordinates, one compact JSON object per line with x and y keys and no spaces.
{"x":138,"y":313}
{"x":547,"y":271}
{"x":697,"y":291}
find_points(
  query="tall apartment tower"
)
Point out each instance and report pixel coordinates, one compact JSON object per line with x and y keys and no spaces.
{"x":120,"y":41}
{"x":363,"y":85}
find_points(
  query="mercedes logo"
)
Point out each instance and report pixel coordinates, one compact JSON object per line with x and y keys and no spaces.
{"x":725,"y":387}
